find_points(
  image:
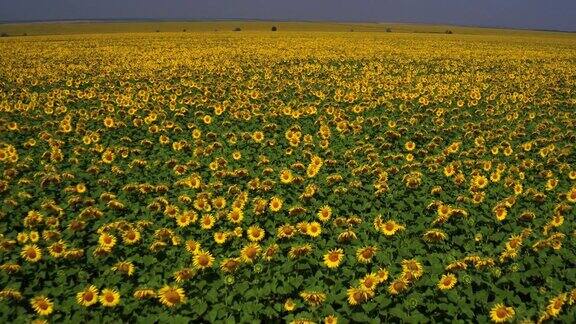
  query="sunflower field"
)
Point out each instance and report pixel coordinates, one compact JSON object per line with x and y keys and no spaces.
{"x":301,"y":177}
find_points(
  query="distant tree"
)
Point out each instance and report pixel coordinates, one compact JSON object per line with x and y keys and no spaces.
{"x":274,"y":28}
{"x":388,"y":30}
{"x":157,"y":30}
{"x":4,"y":35}
{"x":237,"y":29}
{"x":25,"y":34}
{"x":351,"y":29}
{"x":448,"y":31}
{"x":184,"y":30}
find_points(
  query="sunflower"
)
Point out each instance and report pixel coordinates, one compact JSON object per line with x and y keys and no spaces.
{"x":183,"y":274}
{"x":207,"y":221}
{"x":413,"y":267}
{"x":300,"y":250}
{"x":230,"y":264}
{"x":479,"y":182}
{"x":314,"y":229}
{"x":397,"y":286}
{"x":434,"y":235}
{"x":555,"y":305}
{"x":219,"y":202}
{"x":22,"y":237}
{"x":57,"y":249}
{"x":220,"y":237}
{"x":80,"y":188}
{"x":501,"y":213}
{"x":571,"y":195}
{"x":369,"y":281}
{"x":144,"y":293}
{"x":108,"y":122}
{"x":410,"y":146}
{"x":203,"y":260}
{"x":125,"y":267}
{"x":31,"y":253}
{"x":255,"y":233}
{"x":313,"y":298}
{"x":275,"y":204}
{"x":333,"y":258}
{"x":207,"y":119}
{"x":88,"y":296}
{"x":131,"y":236}
{"x":249,"y":253}
{"x":390,"y":227}
{"x":551,"y":184}
{"x":236,"y":215}
{"x":286,"y":176}
{"x":108,"y":156}
{"x":34,"y":236}
{"x":270,"y":251}
{"x":109,"y":297}
{"x":449,"y":170}
{"x":324,"y":213}
{"x":518,"y":189}
{"x":365,"y":254}
{"x":186,"y":218}
{"x":10,"y":293}
{"x":447,"y":282}
{"x":258,"y":136}
{"x":444,"y":211}
{"x":514,"y":242}
{"x":347,"y":236}
{"x":171,"y":296}
{"x":358,"y":295}
{"x":500,"y":313}
{"x":285,"y":231}
{"x":106,"y":240}
{"x":289,"y":305}
{"x":42,"y":305}
{"x":495,"y":176}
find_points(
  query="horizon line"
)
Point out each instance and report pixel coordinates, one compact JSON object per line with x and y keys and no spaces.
{"x":144,"y":19}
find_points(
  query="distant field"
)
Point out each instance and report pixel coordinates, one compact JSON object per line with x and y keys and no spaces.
{"x":83,"y":27}
{"x":309,"y":175}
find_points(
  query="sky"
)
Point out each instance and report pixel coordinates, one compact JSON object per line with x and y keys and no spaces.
{"x":533,"y":14}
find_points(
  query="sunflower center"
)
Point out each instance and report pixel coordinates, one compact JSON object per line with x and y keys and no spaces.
{"x":172,"y":297}
{"x":398,"y":286}
{"x":333,"y":257}
{"x":203,"y":260}
{"x":251,"y":253}
{"x":31,"y":254}
{"x":501,"y":313}
{"x":88,"y":296}
{"x":558,"y":304}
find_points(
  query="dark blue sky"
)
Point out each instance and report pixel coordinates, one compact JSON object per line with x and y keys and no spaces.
{"x":539,"y":14}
